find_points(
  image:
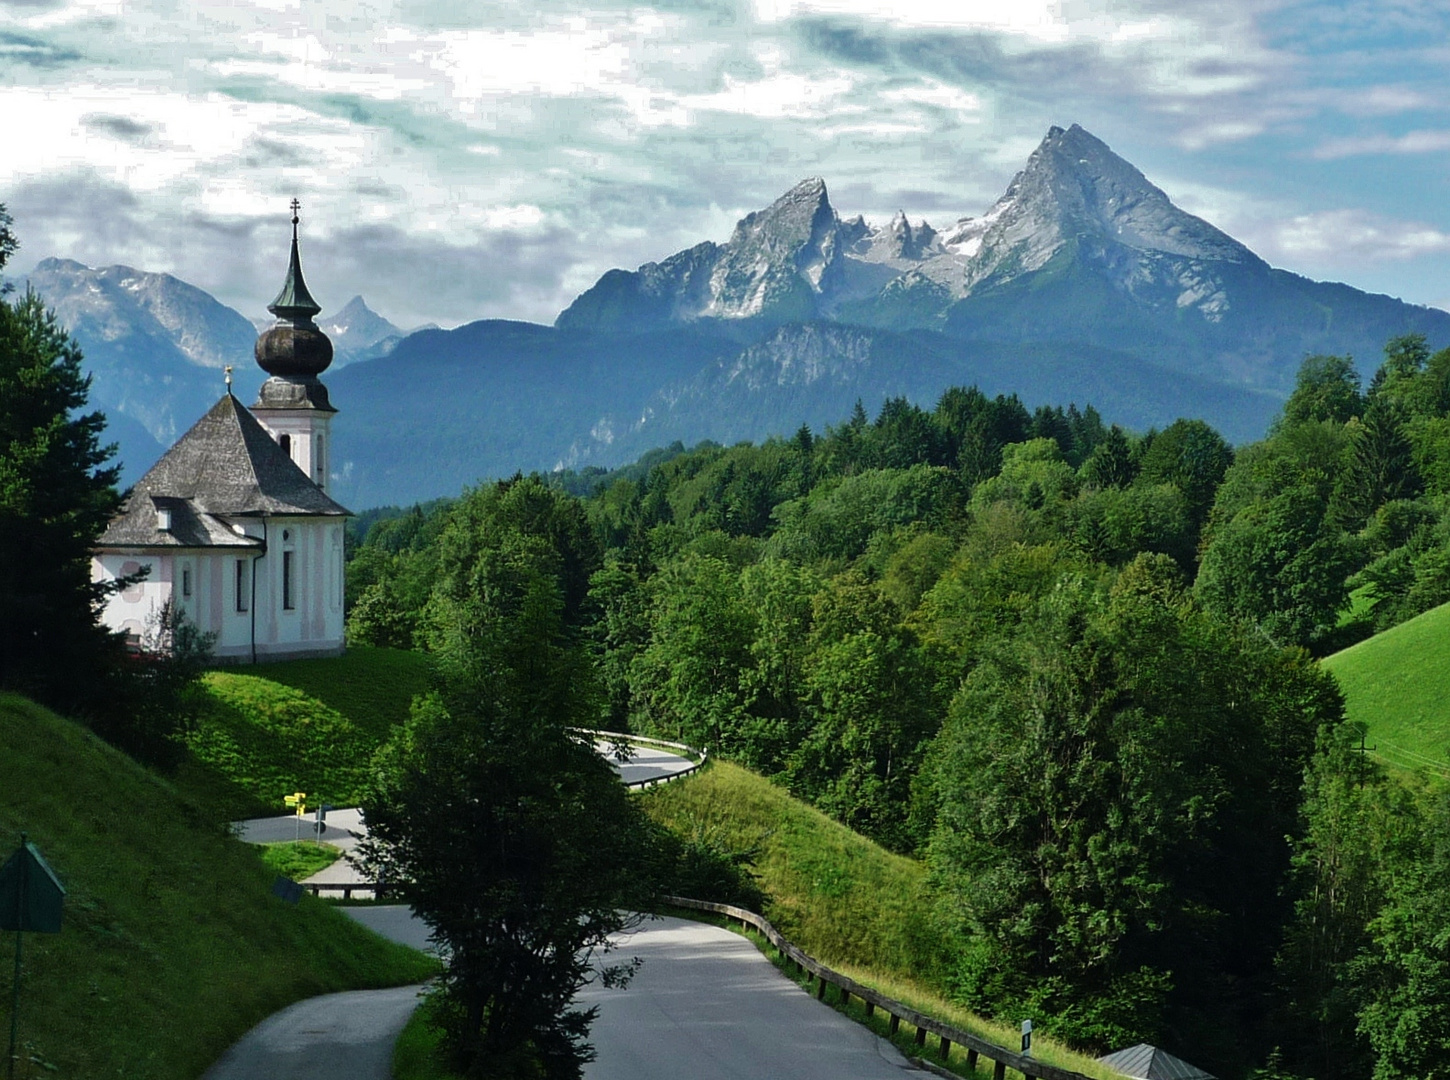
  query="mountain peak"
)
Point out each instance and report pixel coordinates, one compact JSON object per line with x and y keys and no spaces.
{"x":356,"y":328}
{"x":1073,"y":185}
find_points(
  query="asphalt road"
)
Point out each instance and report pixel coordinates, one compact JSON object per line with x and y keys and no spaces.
{"x":646,"y":763}
{"x":707,"y":1005}
{"x":333,"y":1037}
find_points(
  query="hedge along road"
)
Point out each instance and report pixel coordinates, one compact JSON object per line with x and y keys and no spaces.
{"x":705,"y":1005}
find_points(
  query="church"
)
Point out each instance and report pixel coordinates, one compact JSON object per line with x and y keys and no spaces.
{"x":234,"y":525}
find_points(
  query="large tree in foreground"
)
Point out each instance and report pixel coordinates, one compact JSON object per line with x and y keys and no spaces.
{"x":56,"y":494}
{"x":507,"y":834}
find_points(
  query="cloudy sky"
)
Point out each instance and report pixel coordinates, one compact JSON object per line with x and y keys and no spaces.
{"x":459,"y":159}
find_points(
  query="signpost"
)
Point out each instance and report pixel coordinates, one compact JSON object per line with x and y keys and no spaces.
{"x":1027,"y":1038}
{"x":31,"y":898}
{"x":299,"y":800}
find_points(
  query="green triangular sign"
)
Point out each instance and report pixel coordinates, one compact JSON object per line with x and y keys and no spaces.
{"x":31,"y":896}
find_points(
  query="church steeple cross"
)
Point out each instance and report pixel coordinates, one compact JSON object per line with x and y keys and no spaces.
{"x":296,"y":206}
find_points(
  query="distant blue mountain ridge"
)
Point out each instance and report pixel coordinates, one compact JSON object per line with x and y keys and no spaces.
{"x":1084,"y":283}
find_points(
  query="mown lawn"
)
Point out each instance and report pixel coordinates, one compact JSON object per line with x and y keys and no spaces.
{"x":1398,"y":685}
{"x":373,"y":688}
{"x":173,"y":945}
{"x":299,"y":725}
{"x":298,"y":859}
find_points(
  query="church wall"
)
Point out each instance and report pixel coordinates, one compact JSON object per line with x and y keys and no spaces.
{"x":314,"y":624}
{"x":131,"y":611}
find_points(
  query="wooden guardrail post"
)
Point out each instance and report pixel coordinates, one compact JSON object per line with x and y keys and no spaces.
{"x":971,"y":1060}
{"x":999,"y":1070}
{"x":921,"y":1038}
{"x":895,"y":1023}
{"x":946,"y":1048}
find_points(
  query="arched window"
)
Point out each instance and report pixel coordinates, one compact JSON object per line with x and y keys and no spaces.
{"x":285,"y":442}
{"x":289,"y":601}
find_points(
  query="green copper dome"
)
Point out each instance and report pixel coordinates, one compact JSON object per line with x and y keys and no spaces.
{"x":294,"y":347}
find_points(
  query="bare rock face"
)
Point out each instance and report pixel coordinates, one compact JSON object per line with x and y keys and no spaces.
{"x":1076,"y":198}
{"x":358,"y":332}
{"x":798,"y":260}
{"x":794,"y":261}
{"x":153,"y":345}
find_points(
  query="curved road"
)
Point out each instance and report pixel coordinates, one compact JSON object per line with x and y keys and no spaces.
{"x":705,"y":1004}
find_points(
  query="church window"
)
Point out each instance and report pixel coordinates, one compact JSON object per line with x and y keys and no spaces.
{"x":186,"y":582}
{"x":243,"y":585}
{"x":285,"y":442}
{"x":287,"y":581}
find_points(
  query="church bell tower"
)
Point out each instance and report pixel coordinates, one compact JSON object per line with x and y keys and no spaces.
{"x":293,"y":351}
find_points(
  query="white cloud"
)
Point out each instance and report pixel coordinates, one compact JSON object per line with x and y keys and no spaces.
{"x":936,"y":94}
{"x":1414,"y":142}
{"x":1042,"y":20}
{"x":626,"y":133}
{"x":1344,"y":237}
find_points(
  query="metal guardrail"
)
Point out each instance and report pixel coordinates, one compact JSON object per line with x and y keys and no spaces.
{"x":652,"y":781}
{"x":1002,"y":1058}
{"x":379,"y":889}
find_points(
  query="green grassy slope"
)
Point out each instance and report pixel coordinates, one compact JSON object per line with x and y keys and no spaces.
{"x":172,"y":945}
{"x":839,"y":896}
{"x":1398,"y":684}
{"x":299,"y":725}
{"x":371,"y":687}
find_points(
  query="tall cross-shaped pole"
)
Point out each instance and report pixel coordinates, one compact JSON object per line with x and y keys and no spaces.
{"x":296,"y":206}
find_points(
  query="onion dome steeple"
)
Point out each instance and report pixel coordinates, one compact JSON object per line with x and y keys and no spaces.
{"x":294,"y":301}
{"x":294,"y":350}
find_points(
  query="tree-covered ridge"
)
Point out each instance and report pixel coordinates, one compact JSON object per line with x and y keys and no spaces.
{"x":1066,"y":665}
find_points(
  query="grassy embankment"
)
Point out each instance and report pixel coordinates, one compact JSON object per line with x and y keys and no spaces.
{"x":1397,"y":684}
{"x":172,"y":945}
{"x":842,"y":898}
{"x":298,"y":725}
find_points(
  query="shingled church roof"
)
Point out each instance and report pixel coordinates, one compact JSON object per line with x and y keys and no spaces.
{"x":1150,"y":1063}
{"x":226,"y":466}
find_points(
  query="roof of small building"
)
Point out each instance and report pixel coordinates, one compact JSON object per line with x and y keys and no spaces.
{"x":226,"y":466}
{"x":1150,"y":1063}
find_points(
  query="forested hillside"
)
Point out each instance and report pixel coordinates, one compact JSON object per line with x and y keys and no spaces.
{"x":1067,"y":666}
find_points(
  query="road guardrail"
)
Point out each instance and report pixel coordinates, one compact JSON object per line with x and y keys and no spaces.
{"x":1002,"y":1059}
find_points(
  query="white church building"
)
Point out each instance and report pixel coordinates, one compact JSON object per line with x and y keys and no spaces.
{"x":234,"y":525}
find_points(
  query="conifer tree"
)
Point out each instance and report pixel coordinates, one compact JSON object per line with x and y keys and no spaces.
{"x":57,"y":491}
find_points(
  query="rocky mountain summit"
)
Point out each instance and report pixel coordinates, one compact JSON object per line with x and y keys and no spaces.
{"x":794,"y":261}
{"x":1081,"y":249}
{"x":1074,"y":191}
{"x":359,"y":333}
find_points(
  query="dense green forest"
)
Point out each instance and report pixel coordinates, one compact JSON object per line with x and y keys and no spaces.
{"x":1069,"y":667}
